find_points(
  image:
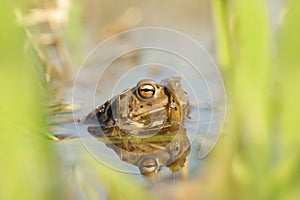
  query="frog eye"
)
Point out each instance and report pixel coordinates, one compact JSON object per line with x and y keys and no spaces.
{"x":148,"y":166}
{"x":146,"y":91}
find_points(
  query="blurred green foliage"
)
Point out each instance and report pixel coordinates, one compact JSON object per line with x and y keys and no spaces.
{"x":260,"y":157}
{"x":27,"y":168}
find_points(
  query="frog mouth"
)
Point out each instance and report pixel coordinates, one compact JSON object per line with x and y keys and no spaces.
{"x":108,"y":117}
{"x":151,"y":113}
{"x":119,"y":114}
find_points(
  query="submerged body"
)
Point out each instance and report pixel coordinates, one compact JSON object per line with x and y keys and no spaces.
{"x":144,"y":124}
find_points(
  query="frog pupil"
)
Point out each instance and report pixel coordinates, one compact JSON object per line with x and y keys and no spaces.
{"x":147,"y":90}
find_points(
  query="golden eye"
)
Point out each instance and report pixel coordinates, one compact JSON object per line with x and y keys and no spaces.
{"x":148,"y":166}
{"x":146,"y":91}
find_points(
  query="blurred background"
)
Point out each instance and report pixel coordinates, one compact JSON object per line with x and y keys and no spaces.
{"x":255,"y":44}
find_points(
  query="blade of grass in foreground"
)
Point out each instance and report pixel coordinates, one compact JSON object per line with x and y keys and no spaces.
{"x":286,"y":173}
{"x":260,"y":158}
{"x":27,"y":168}
{"x":221,"y":14}
{"x":245,"y":155}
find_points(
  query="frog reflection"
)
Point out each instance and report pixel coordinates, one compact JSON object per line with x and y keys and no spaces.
{"x":144,"y":124}
{"x":167,"y":148}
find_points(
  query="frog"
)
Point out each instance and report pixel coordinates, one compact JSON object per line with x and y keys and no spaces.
{"x":146,"y":106}
{"x":144,"y":125}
